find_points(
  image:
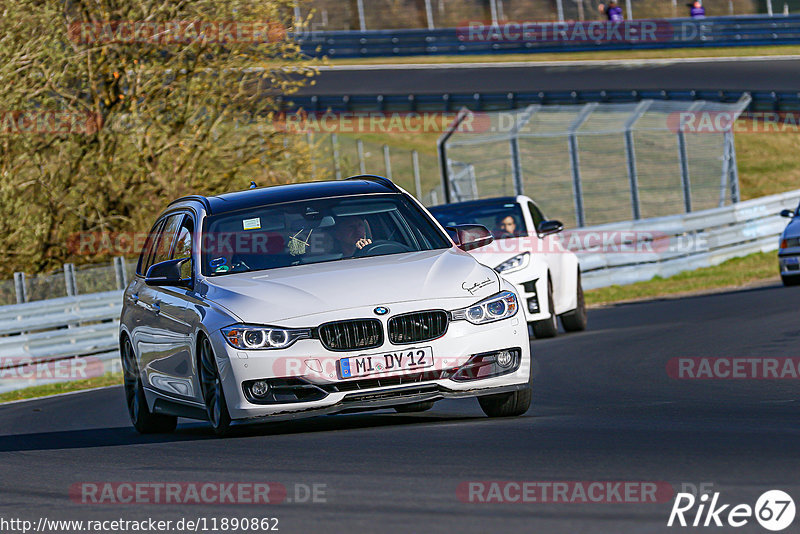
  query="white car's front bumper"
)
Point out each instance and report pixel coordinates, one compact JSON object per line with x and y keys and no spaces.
{"x":309,"y":362}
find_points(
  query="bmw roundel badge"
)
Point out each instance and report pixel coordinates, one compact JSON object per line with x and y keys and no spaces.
{"x":381,"y":310}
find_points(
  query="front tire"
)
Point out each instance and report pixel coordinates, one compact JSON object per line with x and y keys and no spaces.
{"x":575,"y":320}
{"x":547,"y":327}
{"x":144,"y":421}
{"x":789,"y":281}
{"x":211,"y":387}
{"x":511,"y":404}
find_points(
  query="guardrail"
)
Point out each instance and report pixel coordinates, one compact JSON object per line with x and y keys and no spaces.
{"x":747,"y":30}
{"x":452,"y":102}
{"x":64,"y":329}
{"x":36,"y":338}
{"x":666,"y":246}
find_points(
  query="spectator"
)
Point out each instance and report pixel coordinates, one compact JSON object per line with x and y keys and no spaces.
{"x":612,"y":11}
{"x":696,"y":10}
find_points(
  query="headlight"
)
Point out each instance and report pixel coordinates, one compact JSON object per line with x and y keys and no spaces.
{"x":518,"y":262}
{"x":249,"y":337}
{"x":495,"y":308}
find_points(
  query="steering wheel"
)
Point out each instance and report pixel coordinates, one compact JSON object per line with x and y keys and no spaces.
{"x":380,"y":247}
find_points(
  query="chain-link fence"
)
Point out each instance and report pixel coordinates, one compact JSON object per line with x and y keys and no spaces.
{"x":329,"y":15}
{"x":68,"y":281}
{"x":599,"y":163}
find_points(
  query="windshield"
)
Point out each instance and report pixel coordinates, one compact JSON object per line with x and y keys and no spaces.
{"x":315,"y":231}
{"x":503,"y":219}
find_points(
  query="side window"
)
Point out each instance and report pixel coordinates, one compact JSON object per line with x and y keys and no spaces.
{"x":147,"y":250}
{"x":183,"y":246}
{"x":537,"y":216}
{"x":165,"y":239}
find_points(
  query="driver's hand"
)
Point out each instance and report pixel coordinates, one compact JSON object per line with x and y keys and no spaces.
{"x":363,"y":242}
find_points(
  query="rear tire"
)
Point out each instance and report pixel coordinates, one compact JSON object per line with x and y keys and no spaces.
{"x":211,"y":386}
{"x":789,"y":281}
{"x":144,"y":421}
{"x":415,"y":407}
{"x":511,"y":404}
{"x":575,"y":320}
{"x":547,"y":327}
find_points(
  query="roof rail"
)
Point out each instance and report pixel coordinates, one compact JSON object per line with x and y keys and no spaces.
{"x":203,"y":200}
{"x":377,"y":179}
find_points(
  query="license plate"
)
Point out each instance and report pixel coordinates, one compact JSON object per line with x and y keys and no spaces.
{"x":791,"y":259}
{"x":388,"y":362}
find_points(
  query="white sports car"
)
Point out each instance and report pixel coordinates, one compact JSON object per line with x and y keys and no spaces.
{"x":528,"y":253}
{"x":315,"y":298}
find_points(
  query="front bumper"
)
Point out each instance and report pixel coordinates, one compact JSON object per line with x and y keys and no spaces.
{"x":532,"y":292}
{"x":789,"y":261}
{"x":309,"y":361}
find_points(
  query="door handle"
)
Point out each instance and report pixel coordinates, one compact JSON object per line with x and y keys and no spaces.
{"x":156,"y":307}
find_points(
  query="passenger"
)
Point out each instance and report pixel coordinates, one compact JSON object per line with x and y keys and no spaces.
{"x":350,"y":234}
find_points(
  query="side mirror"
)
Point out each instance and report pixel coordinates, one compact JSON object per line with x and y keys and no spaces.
{"x":787,"y":213}
{"x":167,"y":273}
{"x":471,"y":236}
{"x":549,"y":227}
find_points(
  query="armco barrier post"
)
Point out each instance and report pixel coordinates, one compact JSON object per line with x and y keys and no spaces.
{"x":362,"y":166}
{"x":337,"y":166}
{"x":387,"y":161}
{"x":69,"y":280}
{"x":417,"y":179}
{"x":119,"y":272}
{"x":19,"y":288}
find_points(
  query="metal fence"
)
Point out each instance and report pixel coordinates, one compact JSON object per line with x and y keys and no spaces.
{"x":599,"y":163}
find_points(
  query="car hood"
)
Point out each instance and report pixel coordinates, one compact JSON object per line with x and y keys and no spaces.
{"x":792,"y":229}
{"x":272,"y":296}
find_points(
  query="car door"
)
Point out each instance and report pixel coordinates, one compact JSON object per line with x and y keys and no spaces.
{"x":163,"y":338}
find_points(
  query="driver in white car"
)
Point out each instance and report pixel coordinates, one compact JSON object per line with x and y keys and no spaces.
{"x":505,"y":226}
{"x":350,"y":235}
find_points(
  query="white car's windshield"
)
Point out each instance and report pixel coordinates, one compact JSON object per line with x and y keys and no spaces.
{"x":315,"y":231}
{"x":503,"y":219}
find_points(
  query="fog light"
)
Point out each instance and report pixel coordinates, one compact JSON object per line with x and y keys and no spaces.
{"x":533,"y":305}
{"x":260,"y":388}
{"x":505,"y":358}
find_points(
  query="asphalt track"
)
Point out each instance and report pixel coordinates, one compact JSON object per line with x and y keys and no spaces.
{"x":751,"y":74}
{"x":604,"y":409}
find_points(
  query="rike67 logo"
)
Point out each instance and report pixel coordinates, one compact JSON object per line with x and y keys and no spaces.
{"x":774,"y":510}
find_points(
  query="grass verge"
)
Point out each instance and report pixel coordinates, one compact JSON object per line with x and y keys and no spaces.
{"x":672,"y":53}
{"x":731,"y":274}
{"x":108,"y":379}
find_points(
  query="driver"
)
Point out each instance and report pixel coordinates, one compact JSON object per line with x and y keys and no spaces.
{"x":350,"y":235}
{"x":505,"y":226}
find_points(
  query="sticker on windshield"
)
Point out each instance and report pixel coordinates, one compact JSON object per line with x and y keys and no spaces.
{"x":252,"y":224}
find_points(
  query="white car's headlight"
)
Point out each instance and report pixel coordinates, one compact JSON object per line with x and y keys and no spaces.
{"x":494,"y":308}
{"x":248,"y":337}
{"x":518,"y":262}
